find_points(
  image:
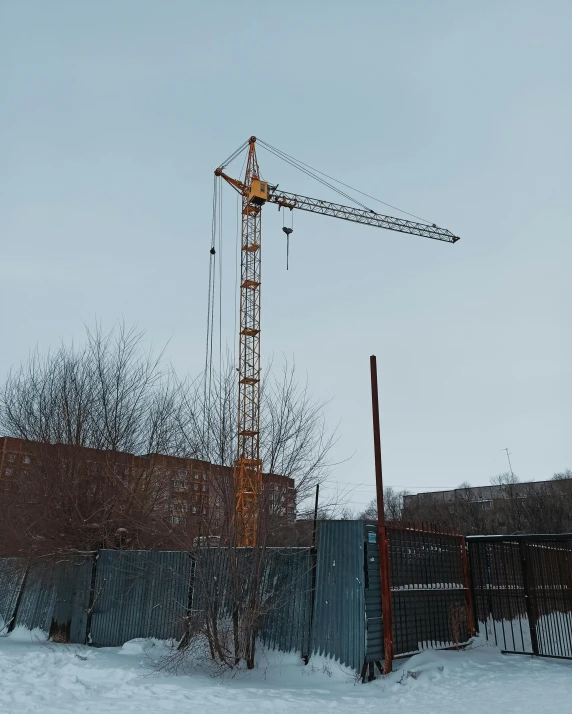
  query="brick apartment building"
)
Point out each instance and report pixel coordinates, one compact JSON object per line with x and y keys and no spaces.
{"x":187,"y":489}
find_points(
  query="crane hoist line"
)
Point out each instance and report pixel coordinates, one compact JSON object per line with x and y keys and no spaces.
{"x":255,"y":193}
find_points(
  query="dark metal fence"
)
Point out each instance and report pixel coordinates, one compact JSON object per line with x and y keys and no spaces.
{"x":523,"y":592}
{"x":430,"y":590}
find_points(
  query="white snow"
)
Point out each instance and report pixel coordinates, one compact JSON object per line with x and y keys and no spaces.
{"x":41,"y":676}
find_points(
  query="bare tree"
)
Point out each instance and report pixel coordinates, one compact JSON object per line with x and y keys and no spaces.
{"x":294,"y":439}
{"x":561,"y":475}
{"x":112,"y":397}
{"x":392,"y":504}
{"x":108,"y":394}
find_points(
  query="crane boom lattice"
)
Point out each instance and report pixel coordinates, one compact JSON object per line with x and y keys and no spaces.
{"x":248,"y":467}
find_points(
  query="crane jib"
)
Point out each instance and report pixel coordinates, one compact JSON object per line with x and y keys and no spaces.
{"x":360,"y":215}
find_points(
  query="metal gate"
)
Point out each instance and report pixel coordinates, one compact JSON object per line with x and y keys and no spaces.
{"x":523,"y":592}
{"x":430,"y":590}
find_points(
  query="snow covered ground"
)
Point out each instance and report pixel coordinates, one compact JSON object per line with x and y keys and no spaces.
{"x":39,"y":676}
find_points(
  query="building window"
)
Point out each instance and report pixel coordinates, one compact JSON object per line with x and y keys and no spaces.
{"x":11,"y":457}
{"x":204,"y":487}
{"x":196,"y":475}
{"x":176,"y":520}
{"x":217,"y":501}
{"x":204,"y":477}
{"x":8,"y":472}
{"x":194,"y":509}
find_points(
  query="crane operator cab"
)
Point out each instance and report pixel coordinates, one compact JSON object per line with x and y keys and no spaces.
{"x":258,"y":192}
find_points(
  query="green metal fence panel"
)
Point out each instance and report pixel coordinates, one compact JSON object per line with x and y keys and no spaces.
{"x":373,"y":617}
{"x":139,"y":594}
{"x":285,"y":590}
{"x":38,"y":598}
{"x":12,"y":575}
{"x":338,"y":627}
{"x":70,"y":612}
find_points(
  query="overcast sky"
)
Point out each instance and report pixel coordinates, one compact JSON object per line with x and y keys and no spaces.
{"x":114,"y":114}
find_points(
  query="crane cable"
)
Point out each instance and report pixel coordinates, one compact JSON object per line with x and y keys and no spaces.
{"x":237,"y":258}
{"x":297,"y":165}
{"x":220,"y":375}
{"x":310,"y":171}
{"x":234,"y":154}
{"x":210,"y":324}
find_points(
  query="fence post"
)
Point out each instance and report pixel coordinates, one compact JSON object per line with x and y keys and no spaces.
{"x":381,"y":529}
{"x":468,"y":589}
{"x":530,"y":608}
{"x":306,"y":655}
{"x":92,"y":598}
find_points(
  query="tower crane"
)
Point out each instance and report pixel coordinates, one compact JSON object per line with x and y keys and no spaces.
{"x":255,"y":193}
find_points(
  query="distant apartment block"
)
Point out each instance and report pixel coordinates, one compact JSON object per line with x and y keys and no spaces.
{"x":532,"y":506}
{"x":186,"y":489}
{"x":482,"y":496}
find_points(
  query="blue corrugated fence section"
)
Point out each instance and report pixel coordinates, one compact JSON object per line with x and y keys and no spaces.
{"x":338,"y":628}
{"x":117,"y":596}
{"x":285,"y":593}
{"x":12,"y":574}
{"x":71,"y":606}
{"x":139,"y":594}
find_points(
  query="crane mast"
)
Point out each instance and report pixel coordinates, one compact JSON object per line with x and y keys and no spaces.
{"x":248,"y":466}
{"x":255,"y":193}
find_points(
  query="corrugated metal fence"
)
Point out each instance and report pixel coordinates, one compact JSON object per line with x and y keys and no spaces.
{"x":325,"y":602}
{"x":139,"y":594}
{"x":338,"y":628}
{"x":121,"y":595}
{"x":12,"y":576}
{"x":285,"y":592}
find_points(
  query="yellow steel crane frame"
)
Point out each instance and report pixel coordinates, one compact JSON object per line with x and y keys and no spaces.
{"x":255,"y":193}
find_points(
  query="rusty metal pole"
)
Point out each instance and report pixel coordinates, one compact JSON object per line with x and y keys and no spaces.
{"x":381,"y":529}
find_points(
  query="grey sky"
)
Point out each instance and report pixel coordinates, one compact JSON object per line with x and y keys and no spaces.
{"x":113,"y":116}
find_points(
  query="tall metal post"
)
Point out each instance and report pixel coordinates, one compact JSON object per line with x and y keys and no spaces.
{"x":314,"y":567}
{"x":381,"y":529}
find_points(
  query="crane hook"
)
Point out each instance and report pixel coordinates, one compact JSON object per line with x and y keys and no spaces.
{"x":288,"y":231}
